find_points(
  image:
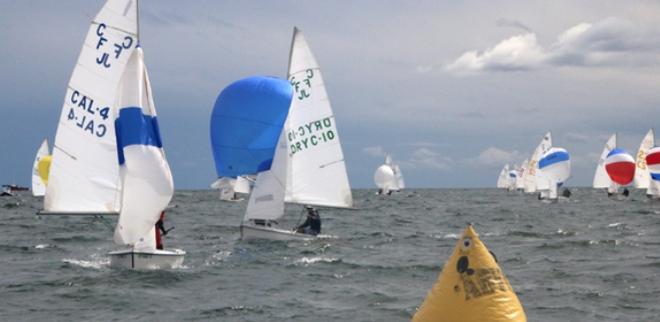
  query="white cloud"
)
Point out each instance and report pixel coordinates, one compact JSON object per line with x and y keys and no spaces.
{"x":495,"y":157}
{"x":374,"y":151}
{"x":610,"y":42}
{"x":425,"y":158}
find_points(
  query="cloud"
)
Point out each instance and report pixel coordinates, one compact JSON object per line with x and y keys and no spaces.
{"x":425,"y":158}
{"x":374,"y":151}
{"x":495,"y":157}
{"x":610,"y":42}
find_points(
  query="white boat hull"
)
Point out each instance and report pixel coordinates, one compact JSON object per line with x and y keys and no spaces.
{"x":156,"y":259}
{"x":249,"y":232}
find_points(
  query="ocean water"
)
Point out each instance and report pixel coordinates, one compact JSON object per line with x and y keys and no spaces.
{"x":590,"y":259}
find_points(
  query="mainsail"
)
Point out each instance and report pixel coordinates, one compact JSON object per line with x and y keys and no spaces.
{"x":532,"y":176}
{"x":146,"y":180}
{"x":84,"y":175}
{"x":503,"y":178}
{"x":601,"y":179}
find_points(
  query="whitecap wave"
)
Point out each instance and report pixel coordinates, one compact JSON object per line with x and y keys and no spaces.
{"x":94,"y":263}
{"x":312,"y":260}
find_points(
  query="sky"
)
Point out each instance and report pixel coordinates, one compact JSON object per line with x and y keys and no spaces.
{"x":453,"y":90}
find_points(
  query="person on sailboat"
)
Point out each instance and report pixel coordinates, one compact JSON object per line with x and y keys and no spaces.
{"x":626,"y":192}
{"x":312,"y":225}
{"x":160,"y":230}
{"x":566,"y":193}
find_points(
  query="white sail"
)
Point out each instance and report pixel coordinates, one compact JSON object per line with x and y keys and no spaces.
{"x":552,"y":194}
{"x":84,"y":175}
{"x":242,"y":185}
{"x":502,"y":179}
{"x":642,"y":176}
{"x":601,"y":178}
{"x":146,"y":180}
{"x":533,"y":175}
{"x":399,"y":177}
{"x":317,"y":170}
{"x":38,"y":185}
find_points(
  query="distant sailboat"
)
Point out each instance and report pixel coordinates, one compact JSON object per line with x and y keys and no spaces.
{"x":653,"y":164}
{"x":108,"y":157}
{"x":308,"y":166}
{"x":642,"y":176}
{"x":615,"y":168}
{"x":521,"y":173}
{"x":40,"y":169}
{"x":533,"y":180}
{"x":555,"y":168}
{"x":229,"y":187}
{"x":503,"y":178}
{"x":388,"y":177}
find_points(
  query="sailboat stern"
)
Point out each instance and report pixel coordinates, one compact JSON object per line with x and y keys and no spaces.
{"x":147,"y":259}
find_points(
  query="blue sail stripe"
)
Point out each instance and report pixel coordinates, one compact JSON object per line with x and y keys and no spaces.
{"x":132,"y":127}
{"x":655,"y":176}
{"x":553,"y":158}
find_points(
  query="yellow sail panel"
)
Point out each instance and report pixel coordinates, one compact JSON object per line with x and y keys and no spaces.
{"x":471,"y":287}
{"x":44,"y":168}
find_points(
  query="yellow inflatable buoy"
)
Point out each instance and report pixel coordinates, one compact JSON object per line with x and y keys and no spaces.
{"x":471,"y":287}
{"x":44,"y":168}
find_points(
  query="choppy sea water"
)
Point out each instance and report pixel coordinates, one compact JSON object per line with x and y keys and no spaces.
{"x":590,"y":259}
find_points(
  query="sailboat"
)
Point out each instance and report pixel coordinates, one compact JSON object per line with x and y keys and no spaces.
{"x":40,"y":169}
{"x":229,"y":187}
{"x":308,"y":165}
{"x":555,"y":169}
{"x":108,"y":157}
{"x":388,"y":177}
{"x":503,"y":178}
{"x":615,"y":168}
{"x":146,"y":180}
{"x":533,"y":180}
{"x":642,"y":176}
{"x":513,"y":177}
{"x":653,"y":164}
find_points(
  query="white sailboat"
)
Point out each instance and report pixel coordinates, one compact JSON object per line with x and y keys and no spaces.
{"x":40,"y":169}
{"x":653,"y":164}
{"x":601,"y":178}
{"x":388,"y":177}
{"x":146,"y":180}
{"x":642,"y":175}
{"x":533,"y":178}
{"x":107,"y":157}
{"x":229,"y":187}
{"x":308,"y":166}
{"x":503,"y":178}
{"x":554,"y":168}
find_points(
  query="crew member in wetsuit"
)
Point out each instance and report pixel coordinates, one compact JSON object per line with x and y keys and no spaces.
{"x":160,"y":231}
{"x":566,"y":193}
{"x":312,"y":225}
{"x":626,"y":192}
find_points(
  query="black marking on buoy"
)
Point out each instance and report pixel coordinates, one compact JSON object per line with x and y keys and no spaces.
{"x":462,"y":264}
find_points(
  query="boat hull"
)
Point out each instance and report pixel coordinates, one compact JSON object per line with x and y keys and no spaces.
{"x":156,"y":259}
{"x":250,"y":232}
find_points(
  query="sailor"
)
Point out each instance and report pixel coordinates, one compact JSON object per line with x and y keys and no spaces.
{"x":160,"y":230}
{"x":566,"y":193}
{"x":312,"y":225}
{"x":626,"y":192}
